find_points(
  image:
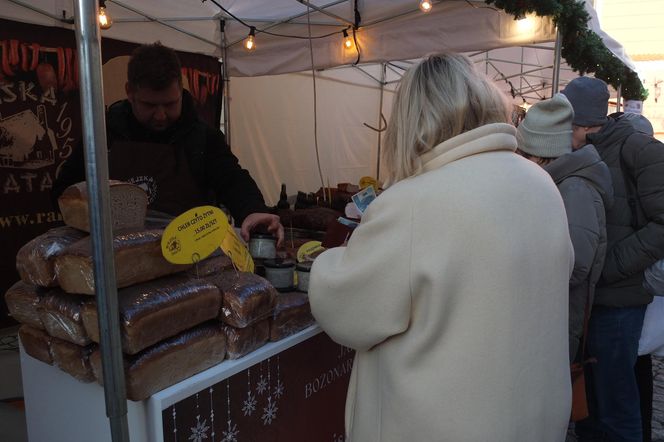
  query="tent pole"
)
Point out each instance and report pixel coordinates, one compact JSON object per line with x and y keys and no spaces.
{"x":618,"y":98}
{"x":556,"y":63}
{"x":96,"y":170}
{"x":226,"y":83}
{"x":383,"y":72}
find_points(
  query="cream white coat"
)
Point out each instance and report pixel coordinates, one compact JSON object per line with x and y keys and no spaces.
{"x":453,"y":290}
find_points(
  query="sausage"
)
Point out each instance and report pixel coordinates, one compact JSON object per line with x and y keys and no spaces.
{"x":69,"y":82}
{"x":25,"y":65}
{"x":35,"y":56}
{"x":61,"y":66}
{"x":6,"y":68}
{"x":15,"y":59}
{"x":75,"y":69}
{"x":194,"y":73}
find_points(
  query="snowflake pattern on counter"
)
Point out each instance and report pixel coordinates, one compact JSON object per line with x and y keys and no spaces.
{"x":279,"y":389}
{"x":269,"y":412}
{"x":230,"y":435}
{"x":249,"y":405}
{"x":261,"y":385}
{"x":199,"y":432}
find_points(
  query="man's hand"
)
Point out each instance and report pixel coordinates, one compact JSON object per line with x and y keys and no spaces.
{"x":271,"y":221}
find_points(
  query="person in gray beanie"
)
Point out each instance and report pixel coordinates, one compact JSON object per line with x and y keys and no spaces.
{"x":584,"y":182}
{"x":635,"y":236}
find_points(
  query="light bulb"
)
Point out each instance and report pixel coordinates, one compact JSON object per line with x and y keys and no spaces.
{"x":250,"y":41}
{"x":425,"y":6}
{"x":105,"y":20}
{"x":348,"y":41}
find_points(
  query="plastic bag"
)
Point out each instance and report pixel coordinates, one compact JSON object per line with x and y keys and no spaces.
{"x":653,"y":278}
{"x":652,"y":334}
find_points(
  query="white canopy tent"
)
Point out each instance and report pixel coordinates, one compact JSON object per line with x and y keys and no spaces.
{"x":272,"y":116}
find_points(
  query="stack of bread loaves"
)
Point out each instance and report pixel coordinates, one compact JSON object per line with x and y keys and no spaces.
{"x":175,"y":320}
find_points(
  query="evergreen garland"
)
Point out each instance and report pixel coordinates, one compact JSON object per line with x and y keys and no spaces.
{"x":582,"y":49}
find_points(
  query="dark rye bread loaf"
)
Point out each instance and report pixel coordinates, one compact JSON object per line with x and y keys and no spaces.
{"x":247,"y":298}
{"x":241,"y":341}
{"x":138,"y":258}
{"x":291,"y":314}
{"x":23,"y":300}
{"x":61,"y":315}
{"x":35,"y":261}
{"x":156,"y":310}
{"x":36,"y":343}
{"x":128,"y":203}
{"x":215,"y":263}
{"x":73,"y":359}
{"x":170,"y":361}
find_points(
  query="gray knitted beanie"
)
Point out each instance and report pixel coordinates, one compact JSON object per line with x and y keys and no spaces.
{"x":590,"y":99}
{"x":546,"y":131}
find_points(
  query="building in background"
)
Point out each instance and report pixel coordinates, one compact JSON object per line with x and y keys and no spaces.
{"x":637,"y":25}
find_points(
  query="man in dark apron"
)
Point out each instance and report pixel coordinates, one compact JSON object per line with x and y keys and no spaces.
{"x":157,"y":141}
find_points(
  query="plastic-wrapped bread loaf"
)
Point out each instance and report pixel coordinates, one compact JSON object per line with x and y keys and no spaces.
{"x":22,"y":300}
{"x":61,"y":314}
{"x":138,"y":259}
{"x":128,"y":202}
{"x":36,"y":343}
{"x":291,"y":314}
{"x":73,"y":359}
{"x":170,"y":361}
{"x":159,"y":309}
{"x":215,"y":263}
{"x":247,"y":298}
{"x":241,"y":341}
{"x":36,"y":259}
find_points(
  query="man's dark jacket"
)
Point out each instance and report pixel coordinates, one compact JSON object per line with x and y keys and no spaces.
{"x":635,"y":235}
{"x":215,"y":168}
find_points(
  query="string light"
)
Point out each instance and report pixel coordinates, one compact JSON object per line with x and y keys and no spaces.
{"x":348,"y":41}
{"x":425,"y":6}
{"x":105,"y":20}
{"x":250,"y":41}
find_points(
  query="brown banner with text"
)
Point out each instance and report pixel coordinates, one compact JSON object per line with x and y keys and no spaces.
{"x":40,"y":123}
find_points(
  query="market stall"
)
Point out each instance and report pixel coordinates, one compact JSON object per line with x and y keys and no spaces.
{"x":308,"y":363}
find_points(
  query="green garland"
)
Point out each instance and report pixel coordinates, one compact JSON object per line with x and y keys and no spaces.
{"x":582,"y":49}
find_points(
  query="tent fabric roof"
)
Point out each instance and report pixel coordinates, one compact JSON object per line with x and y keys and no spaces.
{"x":390,"y":29}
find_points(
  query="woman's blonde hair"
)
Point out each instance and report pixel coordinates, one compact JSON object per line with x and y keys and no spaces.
{"x":440,"y":98}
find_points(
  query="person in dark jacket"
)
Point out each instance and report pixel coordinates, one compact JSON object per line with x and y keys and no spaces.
{"x":635,"y":235}
{"x":584,"y":182}
{"x":643,"y":368}
{"x":157,"y":141}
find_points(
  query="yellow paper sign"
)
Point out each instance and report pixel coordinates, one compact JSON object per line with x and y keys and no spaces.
{"x":367,"y":181}
{"x":237,"y":251}
{"x":307,"y":249}
{"x":194,"y":235}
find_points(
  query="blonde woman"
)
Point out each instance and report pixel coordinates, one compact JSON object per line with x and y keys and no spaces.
{"x":453,"y":289}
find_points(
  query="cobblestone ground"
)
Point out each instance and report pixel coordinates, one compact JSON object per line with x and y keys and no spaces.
{"x":658,"y":399}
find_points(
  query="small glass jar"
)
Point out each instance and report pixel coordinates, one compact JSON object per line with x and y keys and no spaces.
{"x":262,"y":246}
{"x":280,"y":273}
{"x":303,"y":269}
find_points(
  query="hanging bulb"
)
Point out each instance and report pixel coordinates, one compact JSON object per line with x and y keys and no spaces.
{"x":105,"y":20}
{"x":425,"y":5}
{"x":348,"y":41}
{"x":250,"y":41}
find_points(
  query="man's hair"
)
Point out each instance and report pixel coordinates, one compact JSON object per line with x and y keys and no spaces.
{"x":153,"y":66}
{"x":440,"y":98}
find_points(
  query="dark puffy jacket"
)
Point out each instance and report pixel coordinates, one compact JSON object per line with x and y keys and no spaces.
{"x":635,"y":237}
{"x":211,"y":161}
{"x":584,"y":182}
